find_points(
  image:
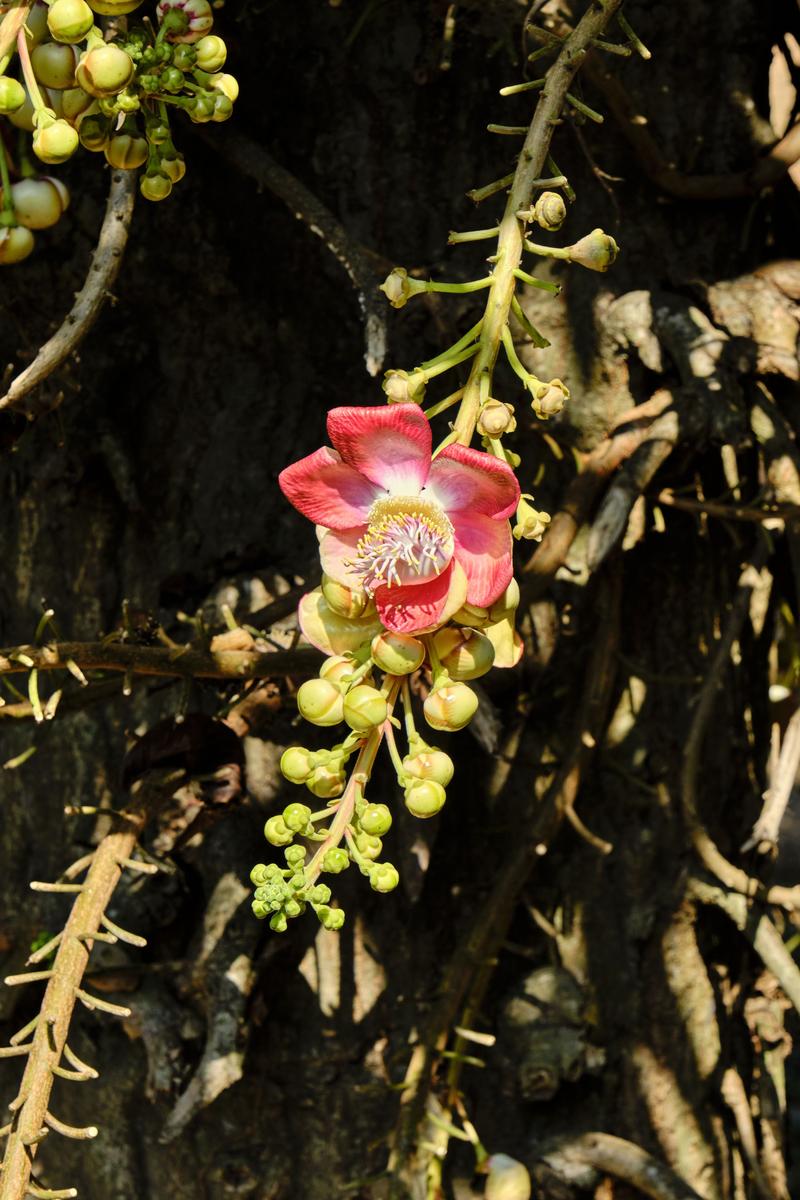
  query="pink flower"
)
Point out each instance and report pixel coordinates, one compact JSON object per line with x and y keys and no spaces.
{"x":421,"y":537}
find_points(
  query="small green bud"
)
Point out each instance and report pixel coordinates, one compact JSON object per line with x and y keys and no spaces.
{"x":326,"y":782}
{"x":384,"y":877}
{"x":425,"y":798}
{"x":104,"y":70}
{"x":430,"y":764}
{"x":364,"y":708}
{"x":450,"y":707}
{"x":320,"y":702}
{"x":54,"y":65}
{"x":298,"y":881}
{"x":201,"y":110}
{"x":278,"y":922}
{"x":16,"y":243}
{"x":335,"y":860}
{"x":12,"y":95}
{"x":185,"y":57}
{"x":597,"y":251}
{"x":368,"y":845}
{"x":297,"y":763}
{"x":56,"y":142}
{"x":93,"y":132}
{"x":296,"y":816}
{"x":294,"y":855}
{"x":126,"y":152}
{"x":174,"y":168}
{"x":155,"y":187}
{"x":223,"y":109}
{"x":211,"y":53}
{"x":550,"y":211}
{"x":293,"y":908}
{"x":335,"y":668}
{"x":397,"y":653}
{"x":496,"y":418}
{"x":69,"y":20}
{"x":258,"y":875}
{"x":331,"y":918}
{"x":320,"y":894}
{"x":530,"y":524}
{"x":260,"y":909}
{"x":376,"y":819}
{"x":548,"y":398}
{"x":463,"y":652}
{"x":172,"y":79}
{"x":277,"y":832}
{"x":344,"y":600}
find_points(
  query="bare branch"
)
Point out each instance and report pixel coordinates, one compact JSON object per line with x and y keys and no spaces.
{"x":625,"y":1160}
{"x":767,"y":827}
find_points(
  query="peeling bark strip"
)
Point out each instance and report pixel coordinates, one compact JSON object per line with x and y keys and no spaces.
{"x":148,"y":660}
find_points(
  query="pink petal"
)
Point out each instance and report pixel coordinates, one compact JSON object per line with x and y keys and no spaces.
{"x":327,"y":491}
{"x":423,"y":607}
{"x":390,"y":445}
{"x":484,"y":549}
{"x":336,"y":550}
{"x":462,"y":478}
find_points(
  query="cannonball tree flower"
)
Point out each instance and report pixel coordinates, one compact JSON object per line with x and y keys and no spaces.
{"x":422,"y":537}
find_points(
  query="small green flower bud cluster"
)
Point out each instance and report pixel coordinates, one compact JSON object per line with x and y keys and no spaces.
{"x":284,"y":893}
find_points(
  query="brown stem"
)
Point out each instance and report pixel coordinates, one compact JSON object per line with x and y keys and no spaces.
{"x":626,"y":1161}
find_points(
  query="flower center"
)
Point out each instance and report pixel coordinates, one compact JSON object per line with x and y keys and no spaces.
{"x":408,"y":538}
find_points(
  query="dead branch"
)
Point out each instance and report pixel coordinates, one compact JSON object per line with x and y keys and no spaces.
{"x":735,"y":1096}
{"x":624,"y":1160}
{"x":776,"y":513}
{"x":767,"y":828}
{"x":106,"y":262}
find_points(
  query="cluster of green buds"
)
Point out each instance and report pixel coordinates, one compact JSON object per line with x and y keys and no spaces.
{"x":110,"y":87}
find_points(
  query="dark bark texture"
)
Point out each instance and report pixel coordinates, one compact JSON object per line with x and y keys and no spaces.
{"x":267,"y":1066}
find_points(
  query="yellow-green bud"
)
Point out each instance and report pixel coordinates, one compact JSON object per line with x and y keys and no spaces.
{"x":36,"y":24}
{"x":430,"y":764}
{"x":296,"y":816}
{"x":93,"y":132}
{"x":597,"y":251}
{"x":16,"y":243}
{"x":55,"y":143}
{"x":364,"y":708}
{"x":69,"y":20}
{"x":463,"y":652}
{"x":326,"y":782}
{"x":376,"y":819}
{"x":496,"y":418}
{"x":384,"y":877}
{"x":75,"y":102}
{"x":320,"y":702}
{"x":343,"y":600}
{"x":126,"y":152}
{"x":330,"y":918}
{"x":12,"y":95}
{"x":425,"y":798}
{"x":548,"y":398}
{"x":397,"y":653}
{"x":404,"y":388}
{"x":54,"y":65}
{"x":336,"y":668}
{"x":368,"y":845}
{"x":335,"y":860}
{"x":450,"y":707}
{"x":174,"y":168}
{"x":505,"y":603}
{"x":211,"y":53}
{"x":155,"y":187}
{"x":114,"y":8}
{"x":38,"y":203}
{"x":531,"y":524}
{"x":277,"y":832}
{"x":398,"y":288}
{"x":104,"y":70}
{"x":297,"y":763}
{"x":227,"y":84}
{"x":549,"y":211}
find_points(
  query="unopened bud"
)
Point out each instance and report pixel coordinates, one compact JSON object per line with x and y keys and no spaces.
{"x":496,"y":418}
{"x":345,"y":601}
{"x":320,"y":702}
{"x":155,"y":187}
{"x":38,"y":203}
{"x":277,"y":832}
{"x":398,"y":288}
{"x":464,"y":653}
{"x":69,"y":20}
{"x":16,"y":243}
{"x":548,"y":398}
{"x":55,"y":143}
{"x":376,"y":819}
{"x":549,"y":211}
{"x":597,"y":251}
{"x":114,"y":8}
{"x":197,"y":19}
{"x":368,"y":845}
{"x":330,"y":918}
{"x":450,"y":707}
{"x":211,"y":53}
{"x":12,"y":95}
{"x":402,"y":387}
{"x":335,"y":860}
{"x":397,"y":653}
{"x":174,"y":168}
{"x":531,"y":524}
{"x":93,"y":132}
{"x":384,"y":877}
{"x":296,"y":816}
{"x":104,"y":70}
{"x":326,"y":782}
{"x":228,"y":85}
{"x":297,"y":763}
{"x":126,"y":152}
{"x":54,"y":65}
{"x":425,"y":798}
{"x":430,"y":764}
{"x":364,"y":708}
{"x":505,"y":603}
{"x":74,"y":103}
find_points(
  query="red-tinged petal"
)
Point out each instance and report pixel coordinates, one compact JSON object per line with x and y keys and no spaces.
{"x":328,"y":491}
{"x":462,"y":479}
{"x":484,"y":549}
{"x":424,"y":607}
{"x":390,"y":445}
{"x":338,"y":548}
{"x":330,"y":632}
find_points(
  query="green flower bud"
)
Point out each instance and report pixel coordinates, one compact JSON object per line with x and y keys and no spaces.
{"x":12,"y":95}
{"x":185,"y":57}
{"x":425,"y":798}
{"x":223,"y":109}
{"x":297,"y":763}
{"x":260,"y":909}
{"x":56,"y":142}
{"x":331,"y":918}
{"x":104,"y":70}
{"x":597,"y":251}
{"x":155,"y":187}
{"x":277,"y":832}
{"x":320,"y":702}
{"x":296,"y":816}
{"x":463,"y":652}
{"x":128,"y":102}
{"x":93,"y":132}
{"x":293,"y":908}
{"x":320,"y":894}
{"x":496,"y":418}
{"x":336,"y":668}
{"x":397,"y":653}
{"x":505,"y":603}
{"x":335,"y":860}
{"x":278,"y":922}
{"x":174,"y":168}
{"x":74,"y":103}
{"x":211,"y":53}
{"x":54,"y":65}
{"x":201,"y":110}
{"x":259,"y":875}
{"x":549,"y":211}
{"x":36,"y":24}
{"x":172,"y":79}
{"x":295,"y":855}
{"x":450,"y":707}
{"x":404,"y":388}
{"x":298,"y":881}
{"x":531,"y":524}
{"x":114,"y":8}
{"x":16,"y":243}
{"x":368,"y":845}
{"x":38,"y":203}
{"x":398,"y":288}
{"x":326,"y":782}
{"x":430,"y":764}
{"x":228,"y":85}
{"x":126,"y":152}
{"x":384,"y":877}
{"x":186,"y":20}
{"x":69,"y":20}
{"x":364,"y":708}
{"x":376,"y":819}
{"x":548,"y":398}
{"x":343,"y":600}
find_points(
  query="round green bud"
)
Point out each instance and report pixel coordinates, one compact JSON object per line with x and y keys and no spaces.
{"x":54,"y":65}
{"x":597,"y":251}
{"x":295,"y":855}
{"x":16,"y":243}
{"x":227,"y":84}
{"x":326,"y":782}
{"x":258,"y":875}
{"x":344,"y":601}
{"x":38,"y":203}
{"x":384,"y":877}
{"x":278,"y":922}
{"x":397,"y":653}
{"x":55,"y":143}
{"x":336,"y":668}
{"x":211,"y":53}
{"x":69,"y":20}
{"x":320,"y":702}
{"x":364,"y":708}
{"x":376,"y":819}
{"x":293,"y":908}
{"x":128,"y":101}
{"x":12,"y":95}
{"x":463,"y":652}
{"x":74,"y":103}
{"x":450,"y":707}
{"x":430,"y":764}
{"x":201,"y":110}
{"x":223,"y":109}
{"x":157,"y":133}
{"x":550,"y":211}
{"x":93,"y":132}
{"x":277,"y":832}
{"x":425,"y":798}
{"x":36,"y":24}
{"x":172,"y":79}
{"x":330,"y":918}
{"x":114,"y":8}
{"x":297,"y":763}
{"x":335,"y":860}
{"x":185,"y":57}
{"x":174,"y":168}
{"x":126,"y":152}
{"x":296,"y":816}
{"x":104,"y":70}
{"x":320,"y":894}
{"x":368,"y":846}
{"x":260,"y":909}
{"x":298,"y":881}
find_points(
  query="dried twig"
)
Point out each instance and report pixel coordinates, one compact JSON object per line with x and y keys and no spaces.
{"x":106,"y":262}
{"x":729,"y":512}
{"x":625,"y":1160}
{"x":767,"y":828}
{"x":735,"y":1096}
